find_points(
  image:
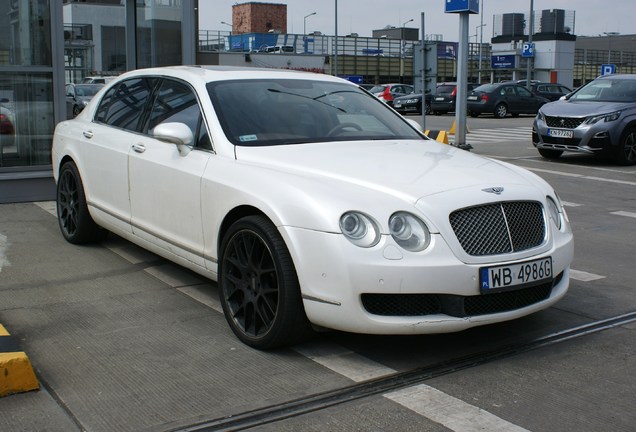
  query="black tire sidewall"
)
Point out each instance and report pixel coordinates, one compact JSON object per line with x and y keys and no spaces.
{"x":290,"y":324}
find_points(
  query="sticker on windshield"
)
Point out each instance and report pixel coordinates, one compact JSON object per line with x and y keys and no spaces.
{"x":245,"y":138}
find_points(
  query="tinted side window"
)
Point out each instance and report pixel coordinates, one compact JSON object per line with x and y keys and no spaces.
{"x":522,"y":91}
{"x":176,"y":102}
{"x":123,"y":105}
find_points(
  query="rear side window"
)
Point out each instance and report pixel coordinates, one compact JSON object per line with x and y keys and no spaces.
{"x":123,"y":105}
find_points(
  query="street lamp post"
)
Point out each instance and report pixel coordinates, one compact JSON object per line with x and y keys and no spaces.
{"x":228,"y":24}
{"x":609,"y":42}
{"x":481,"y":40}
{"x":305,"y":22}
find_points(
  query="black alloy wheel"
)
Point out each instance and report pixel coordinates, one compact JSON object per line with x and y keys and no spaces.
{"x":427,"y":106}
{"x":75,"y":221}
{"x":260,"y":293}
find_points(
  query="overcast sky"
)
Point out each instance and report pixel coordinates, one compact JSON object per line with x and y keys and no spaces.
{"x":593,"y":17}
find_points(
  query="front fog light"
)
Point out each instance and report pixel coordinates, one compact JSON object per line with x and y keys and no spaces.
{"x":409,"y":231}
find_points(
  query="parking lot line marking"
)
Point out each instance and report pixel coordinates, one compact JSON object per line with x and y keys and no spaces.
{"x":204,"y":295}
{"x":601,"y":179}
{"x":570,"y":204}
{"x":343,"y":361}
{"x":48,"y":206}
{"x":584,"y":276}
{"x":174,"y":276}
{"x":453,"y":413}
{"x":3,"y":247}
{"x":624,"y":213}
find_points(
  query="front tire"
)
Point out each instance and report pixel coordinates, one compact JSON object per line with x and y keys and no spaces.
{"x":259,"y":288}
{"x":626,"y":151}
{"x":75,"y":221}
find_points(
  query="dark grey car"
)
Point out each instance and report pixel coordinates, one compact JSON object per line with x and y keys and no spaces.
{"x":598,"y":118}
{"x":502,"y":99}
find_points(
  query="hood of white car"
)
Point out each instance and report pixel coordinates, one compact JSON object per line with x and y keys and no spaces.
{"x":409,"y":169}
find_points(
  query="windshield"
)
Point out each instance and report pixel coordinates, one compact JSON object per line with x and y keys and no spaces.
{"x":276,"y":112}
{"x":607,"y":90}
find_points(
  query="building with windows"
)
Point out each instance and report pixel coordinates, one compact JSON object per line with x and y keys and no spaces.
{"x":52,"y":42}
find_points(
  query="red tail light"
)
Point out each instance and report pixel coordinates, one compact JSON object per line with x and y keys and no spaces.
{"x":454,"y":92}
{"x":386,"y":94}
{"x":484,"y":97}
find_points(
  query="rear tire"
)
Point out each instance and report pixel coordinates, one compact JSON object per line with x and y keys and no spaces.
{"x":550,"y":154}
{"x":75,"y":220}
{"x":428,"y":108}
{"x":473,"y":114}
{"x":259,"y":288}
{"x":501,"y":110}
{"x":626,"y":151}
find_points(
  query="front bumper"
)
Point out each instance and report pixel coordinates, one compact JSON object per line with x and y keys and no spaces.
{"x":589,"y":139}
{"x":335,"y":276}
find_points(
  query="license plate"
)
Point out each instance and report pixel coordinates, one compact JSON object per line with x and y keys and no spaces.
{"x":472,"y":98}
{"x":514,"y":276}
{"x":560,"y":133}
{"x":439,"y":98}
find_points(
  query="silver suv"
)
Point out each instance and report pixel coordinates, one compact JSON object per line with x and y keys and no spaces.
{"x":598,"y":118}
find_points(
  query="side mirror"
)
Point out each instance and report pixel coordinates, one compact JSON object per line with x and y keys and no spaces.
{"x":175,"y":133}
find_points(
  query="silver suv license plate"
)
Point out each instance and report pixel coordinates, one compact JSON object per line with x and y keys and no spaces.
{"x":515,"y":276}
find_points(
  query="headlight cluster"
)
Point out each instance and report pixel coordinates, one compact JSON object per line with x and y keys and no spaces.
{"x":556,"y":211}
{"x":540,"y":116}
{"x":408,"y":231}
{"x":607,"y":117}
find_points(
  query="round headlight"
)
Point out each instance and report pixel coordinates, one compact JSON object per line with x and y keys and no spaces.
{"x":555,"y":212}
{"x":360,"y":229}
{"x":409,"y":231}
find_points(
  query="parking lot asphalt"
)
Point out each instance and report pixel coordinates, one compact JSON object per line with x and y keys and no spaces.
{"x":122,"y":340}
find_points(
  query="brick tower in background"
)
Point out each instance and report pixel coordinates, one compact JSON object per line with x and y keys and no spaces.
{"x":257,"y":17}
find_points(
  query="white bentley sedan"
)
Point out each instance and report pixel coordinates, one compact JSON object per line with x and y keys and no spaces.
{"x":309,"y":202}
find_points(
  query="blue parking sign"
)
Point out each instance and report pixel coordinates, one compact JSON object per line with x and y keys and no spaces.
{"x":528,"y":49}
{"x":608,"y":69}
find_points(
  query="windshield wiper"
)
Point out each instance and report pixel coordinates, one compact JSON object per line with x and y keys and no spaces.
{"x":310,"y":98}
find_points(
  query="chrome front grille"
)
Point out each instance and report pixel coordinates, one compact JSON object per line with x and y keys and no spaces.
{"x":499,"y":228}
{"x":564,"y":122}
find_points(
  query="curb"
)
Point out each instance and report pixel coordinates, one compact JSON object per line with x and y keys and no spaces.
{"x":16,"y":372}
{"x":437,"y":135}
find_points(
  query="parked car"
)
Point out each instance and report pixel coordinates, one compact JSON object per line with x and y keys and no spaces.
{"x":98,"y":79}
{"x":7,"y":119}
{"x":412,"y":103}
{"x":278,"y":49}
{"x":444,"y":100}
{"x":314,"y":203}
{"x":550,"y":91}
{"x":388,"y":92}
{"x":598,"y":118}
{"x":502,"y":99}
{"x":78,"y":96}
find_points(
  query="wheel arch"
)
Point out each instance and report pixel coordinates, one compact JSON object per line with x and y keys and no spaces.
{"x":234,"y":215}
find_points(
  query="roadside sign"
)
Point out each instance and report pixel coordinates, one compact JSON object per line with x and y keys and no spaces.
{"x":503,"y":61}
{"x":608,"y":69}
{"x":454,"y":6}
{"x":528,"y":49}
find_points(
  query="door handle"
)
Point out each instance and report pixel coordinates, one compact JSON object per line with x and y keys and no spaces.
{"x":139,"y":148}
{"x":88,"y":134}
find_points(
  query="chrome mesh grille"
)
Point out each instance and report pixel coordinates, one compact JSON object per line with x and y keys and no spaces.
{"x":499,"y":228}
{"x":564,"y":122}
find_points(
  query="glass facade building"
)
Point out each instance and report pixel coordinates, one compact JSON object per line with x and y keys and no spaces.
{"x":51,"y":43}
